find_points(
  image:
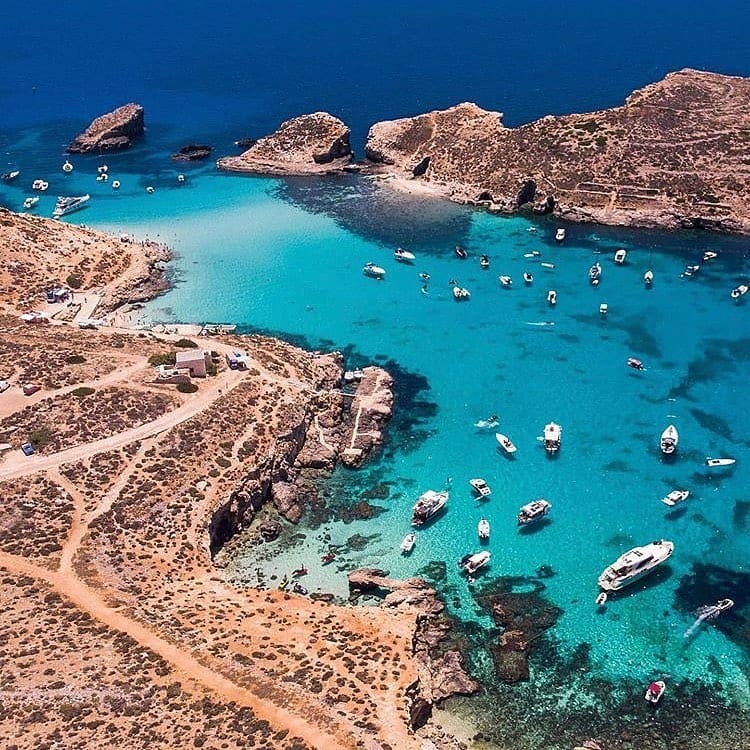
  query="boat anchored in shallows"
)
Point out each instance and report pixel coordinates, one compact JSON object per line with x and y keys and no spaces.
{"x":635,"y":564}
{"x":675,"y":496}
{"x":655,"y":691}
{"x":67,"y":204}
{"x":533,"y":511}
{"x":375,"y":272}
{"x":483,"y":529}
{"x":552,"y":437}
{"x":669,"y":439}
{"x":408,"y":542}
{"x":480,"y":487}
{"x":471,"y":563}
{"x":429,"y":504}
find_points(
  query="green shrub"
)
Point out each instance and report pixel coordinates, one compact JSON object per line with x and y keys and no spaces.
{"x":225,"y":463}
{"x":186,"y":344}
{"x":166,"y":358}
{"x":75,"y":359}
{"x":211,"y":368}
{"x":187,"y":387}
{"x":83,"y":391}
{"x":74,"y":282}
{"x":40,"y":437}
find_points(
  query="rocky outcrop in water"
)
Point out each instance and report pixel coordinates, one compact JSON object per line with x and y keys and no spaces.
{"x":309,"y":144}
{"x":440,"y":669}
{"x":113,"y":131}
{"x":192,"y":152}
{"x":674,"y":155}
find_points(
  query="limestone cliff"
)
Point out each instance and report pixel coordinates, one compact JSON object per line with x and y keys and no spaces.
{"x":113,"y":131}
{"x":674,"y":155}
{"x":309,"y":144}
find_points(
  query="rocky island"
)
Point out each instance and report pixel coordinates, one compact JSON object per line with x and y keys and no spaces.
{"x":674,"y":155}
{"x":309,"y":144}
{"x":113,"y":131}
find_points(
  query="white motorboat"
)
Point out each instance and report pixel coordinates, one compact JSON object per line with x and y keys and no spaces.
{"x":103,"y":177}
{"x":648,"y":278}
{"x":635,"y":564}
{"x":635,"y":363}
{"x":461,"y":294}
{"x":480,"y":487}
{"x":67,"y":167}
{"x":739,"y":291}
{"x":376,"y":272}
{"x":669,"y":439}
{"x":429,"y":504}
{"x":180,"y":178}
{"x":484,"y":262}
{"x":483,"y":529}
{"x":655,"y":691}
{"x":560,"y":235}
{"x":115,"y":184}
{"x":533,"y":511}
{"x":404,"y":256}
{"x":595,"y":273}
{"x":505,"y":443}
{"x":620,"y":256}
{"x":528,"y":278}
{"x":102,"y":169}
{"x":709,"y":255}
{"x":533,"y":254}
{"x":716,"y":462}
{"x":691,"y":270}
{"x":9,"y":176}
{"x":675,"y":496}
{"x":407,"y":545}
{"x":40,"y":185}
{"x":471,"y":563}
{"x":67,"y":204}
{"x":31,"y":202}
{"x":552,"y":297}
{"x":547,"y":265}
{"x":505,"y":281}
{"x":552,"y":437}
{"x":461,"y":252}
{"x":604,"y":308}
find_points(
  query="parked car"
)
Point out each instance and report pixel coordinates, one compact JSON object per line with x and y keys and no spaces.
{"x":4,"y":385}
{"x":28,"y":449}
{"x":31,"y":388}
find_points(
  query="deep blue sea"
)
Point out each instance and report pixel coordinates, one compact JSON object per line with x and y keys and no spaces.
{"x":285,"y":257}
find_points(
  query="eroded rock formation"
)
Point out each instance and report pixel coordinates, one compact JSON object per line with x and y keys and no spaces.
{"x":192,"y":152}
{"x":113,"y":131}
{"x":308,"y":144}
{"x":674,"y":155}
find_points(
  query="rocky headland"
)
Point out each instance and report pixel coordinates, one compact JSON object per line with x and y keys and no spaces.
{"x":310,"y":144}
{"x":113,"y":131}
{"x":674,"y":155}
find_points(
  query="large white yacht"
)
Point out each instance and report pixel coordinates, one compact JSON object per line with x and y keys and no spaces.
{"x":428,"y":505}
{"x":552,"y":437}
{"x":635,"y":564}
{"x":67,"y":204}
{"x":669,"y":439}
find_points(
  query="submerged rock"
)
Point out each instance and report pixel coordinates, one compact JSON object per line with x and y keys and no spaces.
{"x":113,"y":131}
{"x":192,"y":152}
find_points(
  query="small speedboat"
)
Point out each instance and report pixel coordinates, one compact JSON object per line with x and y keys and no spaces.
{"x":691,"y":270}
{"x":480,"y":487}
{"x":620,"y":256}
{"x":31,"y":202}
{"x":655,"y":691}
{"x":675,"y":496}
{"x":486,"y":424}
{"x":40,"y":185}
{"x":67,"y":167}
{"x":648,"y":278}
{"x":483,"y":529}
{"x":533,"y":511}
{"x":560,"y":235}
{"x":505,"y":281}
{"x":102,"y":169}
{"x":528,"y":278}
{"x":424,"y":276}
{"x":103,"y":177}
{"x":636,"y":364}
{"x":547,"y":265}
{"x":461,"y":294}
{"x":461,"y":252}
{"x":376,"y":272}
{"x":180,"y":178}
{"x":404,"y":256}
{"x":471,"y":563}
{"x":604,"y":308}
{"x":298,"y":588}
{"x":8,"y":176}
{"x":505,"y":443}
{"x":669,"y":439}
{"x":595,"y":273}
{"x":716,"y":462}
{"x":709,"y":255}
{"x":552,"y":297}
{"x":408,"y":542}
{"x":739,"y":291}
{"x":533,"y":254}
{"x":552,"y":437}
{"x":484,"y":262}
{"x":115,"y":184}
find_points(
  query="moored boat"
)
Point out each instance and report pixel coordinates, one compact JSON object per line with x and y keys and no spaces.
{"x":461,"y":252}
{"x":533,"y":511}
{"x":480,"y":487}
{"x":560,"y":235}
{"x":604,"y":308}
{"x":67,"y":204}
{"x":620,"y":256}
{"x":404,"y":256}
{"x":40,"y":185}
{"x":505,"y":281}
{"x":483,"y":528}
{"x":691,"y":270}
{"x":648,"y":278}
{"x":429,"y":504}
{"x":635,"y":564}
{"x":709,"y":255}
{"x":552,"y":437}
{"x":505,"y":443}
{"x":635,"y":363}
{"x":376,"y":272}
{"x":655,"y":691}
{"x":461,"y":294}
{"x":471,"y":563}
{"x":528,"y":278}
{"x":484,"y":262}
{"x":489,"y":423}
{"x":669,"y":439}
{"x":739,"y":291}
{"x":67,"y":167}
{"x":552,"y":297}
{"x":31,"y":202}
{"x":9,"y":176}
{"x":595,"y":273}
{"x":716,"y":462}
{"x":408,"y":542}
{"x":675,"y":496}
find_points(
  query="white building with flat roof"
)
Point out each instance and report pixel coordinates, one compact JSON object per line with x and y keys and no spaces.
{"x":195,"y":360}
